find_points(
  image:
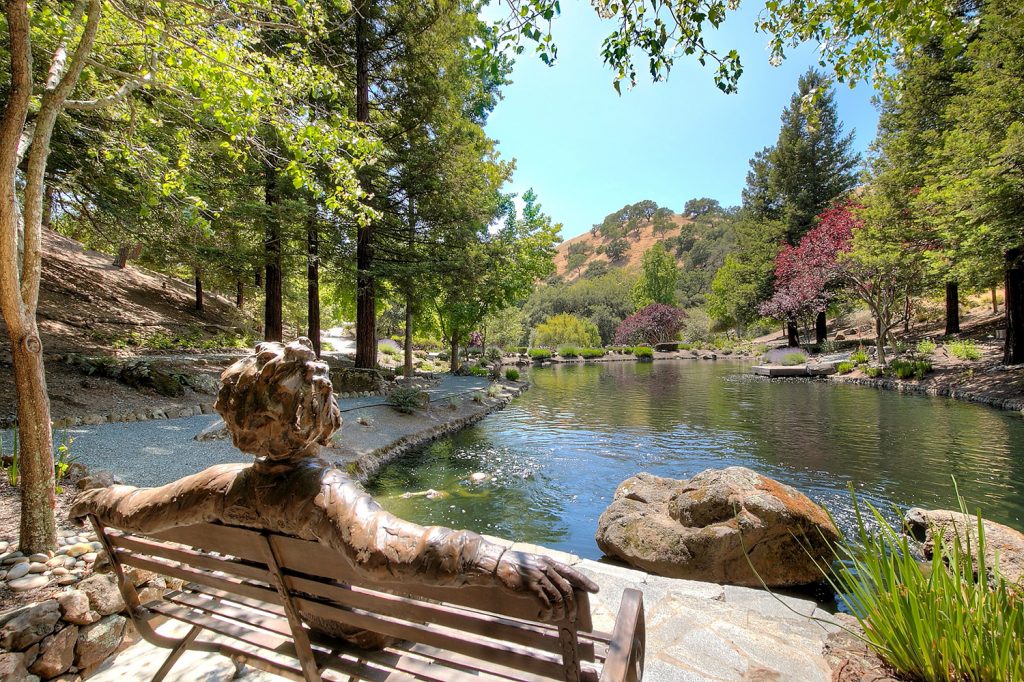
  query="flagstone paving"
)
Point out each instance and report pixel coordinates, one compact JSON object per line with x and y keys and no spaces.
{"x":696,"y":632}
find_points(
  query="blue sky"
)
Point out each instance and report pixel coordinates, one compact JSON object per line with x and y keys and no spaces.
{"x":587,"y":151}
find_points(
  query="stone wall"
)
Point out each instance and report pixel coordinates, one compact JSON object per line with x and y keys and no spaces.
{"x":68,"y":636}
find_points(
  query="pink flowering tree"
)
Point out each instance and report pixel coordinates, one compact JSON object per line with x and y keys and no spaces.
{"x":808,"y":275}
{"x":656,"y":323}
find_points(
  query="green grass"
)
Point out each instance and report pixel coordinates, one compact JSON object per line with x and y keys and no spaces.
{"x":956,"y":618}
{"x":512,"y":374}
{"x":926,"y":347}
{"x":845,"y":367}
{"x":859,"y":357}
{"x":965,"y":350}
{"x":643,"y":352}
{"x":389,"y":350}
{"x":905,"y":369}
{"x":791,"y":359}
{"x":873,"y":372}
{"x":591,"y":353}
{"x":540,"y":354}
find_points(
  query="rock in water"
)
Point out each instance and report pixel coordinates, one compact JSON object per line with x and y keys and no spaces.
{"x":1008,"y":542}
{"x":707,"y":528}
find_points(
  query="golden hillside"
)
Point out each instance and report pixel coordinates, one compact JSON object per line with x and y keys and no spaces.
{"x":594,"y":244}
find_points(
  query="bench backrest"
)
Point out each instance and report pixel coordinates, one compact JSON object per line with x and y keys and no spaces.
{"x":308,"y":579}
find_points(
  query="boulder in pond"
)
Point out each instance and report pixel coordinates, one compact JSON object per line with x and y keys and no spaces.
{"x":706,"y":528}
{"x":1007,"y":542}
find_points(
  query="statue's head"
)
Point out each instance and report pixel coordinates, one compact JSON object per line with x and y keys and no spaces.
{"x":278,"y":403}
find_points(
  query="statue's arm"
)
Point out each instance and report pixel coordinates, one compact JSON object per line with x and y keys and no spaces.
{"x":194,"y":499}
{"x":386,"y":547}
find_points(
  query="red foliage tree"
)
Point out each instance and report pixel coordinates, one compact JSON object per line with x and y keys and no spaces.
{"x":652,"y":324}
{"x":807,"y":275}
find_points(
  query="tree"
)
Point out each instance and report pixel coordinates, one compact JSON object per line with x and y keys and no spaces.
{"x":565,"y":330}
{"x":808,"y":275}
{"x":698,"y":208}
{"x":976,"y":195}
{"x":616,"y":249}
{"x":657,"y":283}
{"x":655,"y":323}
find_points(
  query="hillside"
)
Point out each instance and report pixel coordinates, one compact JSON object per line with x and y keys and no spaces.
{"x":88,"y":306}
{"x":593,"y":244}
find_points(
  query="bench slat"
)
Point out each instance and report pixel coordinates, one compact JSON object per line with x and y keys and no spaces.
{"x":538,"y":662}
{"x":494,"y":627}
{"x":190,"y":557}
{"x":183,"y":572}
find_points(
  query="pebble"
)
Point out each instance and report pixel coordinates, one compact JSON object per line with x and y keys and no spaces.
{"x":36,"y":567}
{"x":18,"y":570}
{"x":79,"y":548}
{"x":67,"y":580}
{"x":60,"y":570}
{"x":29,"y":582}
{"x":96,"y":546}
{"x":39,"y":558}
{"x":89,"y":558}
{"x":55,"y":561}
{"x":63,"y":550}
{"x":4,"y":545}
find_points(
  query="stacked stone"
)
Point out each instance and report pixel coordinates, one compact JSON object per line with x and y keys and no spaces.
{"x":70,"y":635}
{"x":76,"y":553}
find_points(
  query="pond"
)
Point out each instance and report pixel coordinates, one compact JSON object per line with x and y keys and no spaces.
{"x":557,"y":453}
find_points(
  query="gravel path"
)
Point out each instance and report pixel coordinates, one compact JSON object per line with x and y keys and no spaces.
{"x":155,"y":452}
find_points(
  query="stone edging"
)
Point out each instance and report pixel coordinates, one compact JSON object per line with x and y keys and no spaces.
{"x":367,"y":466}
{"x":913,"y":388}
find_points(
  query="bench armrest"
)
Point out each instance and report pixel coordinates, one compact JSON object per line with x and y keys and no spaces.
{"x":625,"y":662}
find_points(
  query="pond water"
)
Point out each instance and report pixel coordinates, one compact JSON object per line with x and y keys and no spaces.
{"x":557,"y":453}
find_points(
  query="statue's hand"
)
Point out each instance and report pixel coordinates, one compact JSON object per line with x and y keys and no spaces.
{"x":552,"y":582}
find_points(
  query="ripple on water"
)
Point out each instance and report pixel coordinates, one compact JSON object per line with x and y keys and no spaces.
{"x":559,"y":451}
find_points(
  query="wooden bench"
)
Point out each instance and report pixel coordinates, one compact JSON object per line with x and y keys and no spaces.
{"x":246,"y":593}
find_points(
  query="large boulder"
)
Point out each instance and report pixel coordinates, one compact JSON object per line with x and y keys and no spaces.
{"x":1007,"y":542}
{"x":708,"y":528}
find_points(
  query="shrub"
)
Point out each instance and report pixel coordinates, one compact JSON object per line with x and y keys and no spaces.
{"x":643,"y":352}
{"x":926,"y":347}
{"x":493,"y":354}
{"x":794,"y":358}
{"x":859,"y":357}
{"x":540,"y":353}
{"x":390,"y":351}
{"x":965,"y":350}
{"x":405,"y":399}
{"x":477,"y":371}
{"x":591,"y":353}
{"x":845,"y":367}
{"x":958,"y":619}
{"x":568,"y":351}
{"x":904,"y":369}
{"x":522,"y":350}
{"x":512,"y":374}
{"x":493,"y":391}
{"x":427,"y":366}
{"x":697,"y":327}
{"x":444,"y":356}
{"x":565,"y":329}
{"x":650,"y":325}
{"x":873,"y":372}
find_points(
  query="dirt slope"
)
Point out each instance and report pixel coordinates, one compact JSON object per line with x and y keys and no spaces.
{"x":86,"y":305}
{"x":639,"y":242}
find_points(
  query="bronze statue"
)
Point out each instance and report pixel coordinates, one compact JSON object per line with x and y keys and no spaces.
{"x":278,"y":405}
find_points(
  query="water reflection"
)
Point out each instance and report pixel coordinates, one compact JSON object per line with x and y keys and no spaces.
{"x":558,"y":452}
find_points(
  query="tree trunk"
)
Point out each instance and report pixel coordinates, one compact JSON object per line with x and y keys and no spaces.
{"x":199,"y":291}
{"x":121,"y":260}
{"x":952,"y":308}
{"x":792,"y":333}
{"x":257,"y":278}
{"x":455,"y":364}
{"x":821,"y":328}
{"x":366,"y":295}
{"x":879,"y":342}
{"x":1013,"y":351}
{"x":273,"y":318}
{"x":239,"y":294}
{"x":313,"y":281}
{"x":408,"y":336}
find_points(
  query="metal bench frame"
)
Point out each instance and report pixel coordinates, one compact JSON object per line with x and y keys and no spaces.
{"x":257,"y":590}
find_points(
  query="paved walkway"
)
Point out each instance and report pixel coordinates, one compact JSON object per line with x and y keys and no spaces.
{"x":696,"y":632}
{"x":155,"y":452}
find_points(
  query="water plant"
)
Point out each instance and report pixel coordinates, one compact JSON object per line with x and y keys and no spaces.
{"x":591,"y":353}
{"x":957,"y":618}
{"x":406,"y":399}
{"x":926,"y":347}
{"x":568,"y":351}
{"x":643,"y":352}
{"x":845,"y":367}
{"x":964,"y":349}
{"x":792,"y":359}
{"x":540,"y":354}
{"x":512,"y":374}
